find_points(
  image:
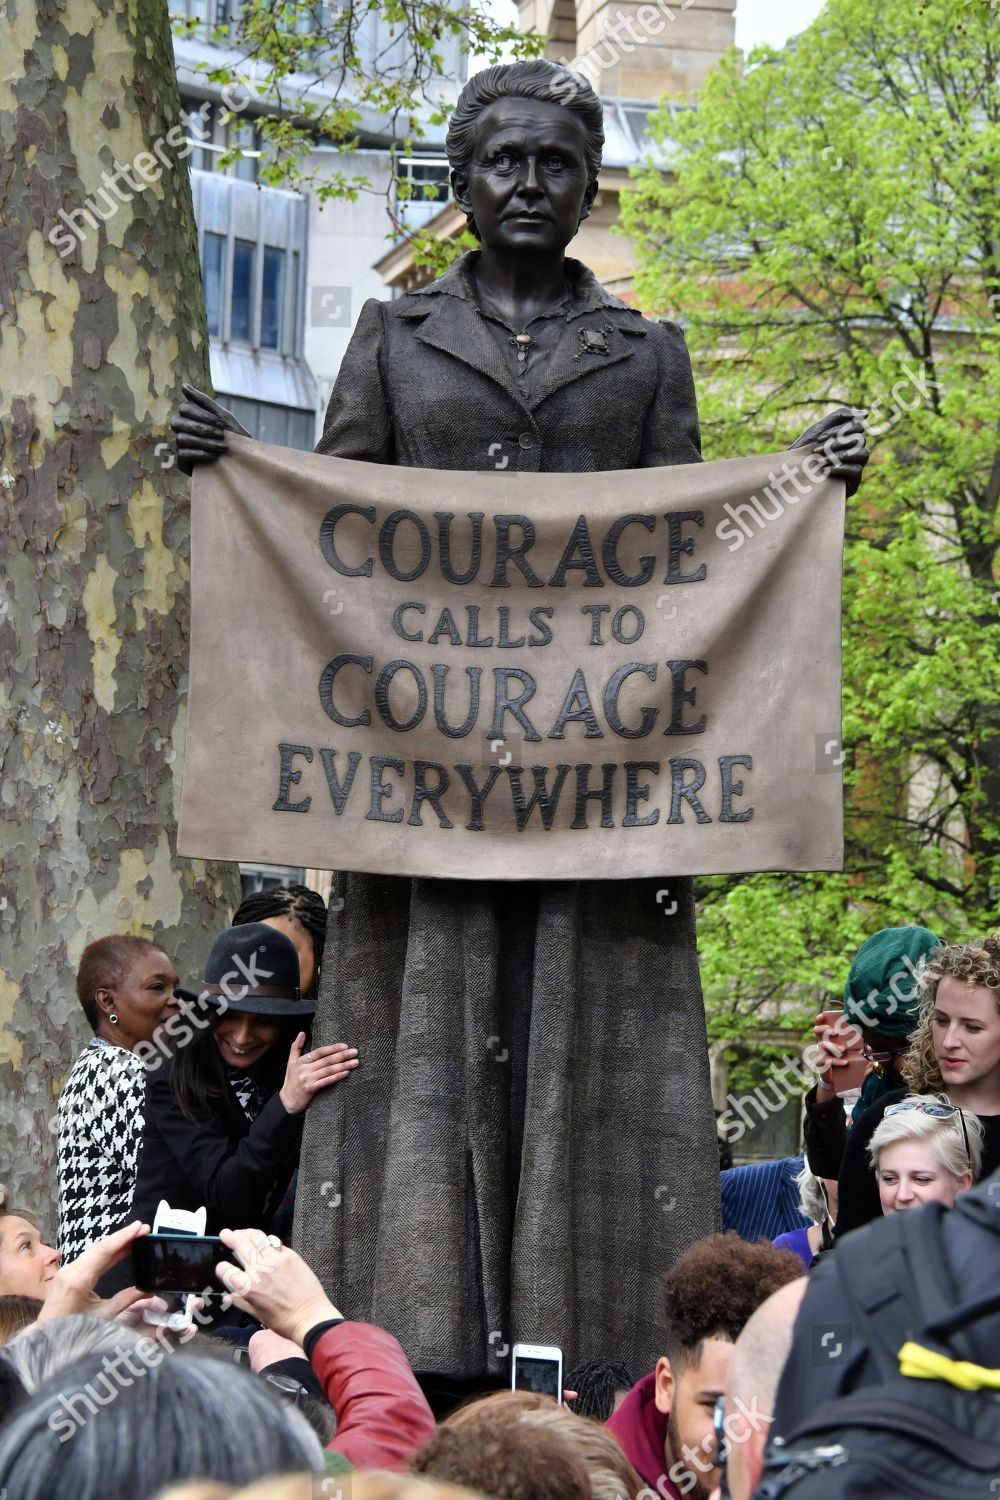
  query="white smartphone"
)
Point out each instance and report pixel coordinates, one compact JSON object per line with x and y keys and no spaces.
{"x":537,"y":1367}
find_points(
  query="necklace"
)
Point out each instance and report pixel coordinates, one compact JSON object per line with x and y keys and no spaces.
{"x":523,"y":341}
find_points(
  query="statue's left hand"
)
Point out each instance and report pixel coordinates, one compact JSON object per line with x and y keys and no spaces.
{"x":840,"y":438}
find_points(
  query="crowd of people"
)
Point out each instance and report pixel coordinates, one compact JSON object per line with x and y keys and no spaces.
{"x":864,"y":1266}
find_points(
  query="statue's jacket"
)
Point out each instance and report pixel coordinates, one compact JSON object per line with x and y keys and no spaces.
{"x":424,"y":383}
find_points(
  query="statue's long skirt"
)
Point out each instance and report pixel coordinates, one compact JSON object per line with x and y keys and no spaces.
{"x":529,"y":1141}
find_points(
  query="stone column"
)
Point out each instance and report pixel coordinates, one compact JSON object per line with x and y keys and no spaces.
{"x":635,"y":49}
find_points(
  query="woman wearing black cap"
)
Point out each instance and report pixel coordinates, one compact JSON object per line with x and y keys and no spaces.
{"x":226,"y":1098}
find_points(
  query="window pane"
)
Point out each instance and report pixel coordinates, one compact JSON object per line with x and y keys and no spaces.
{"x":241,"y":312}
{"x":301,"y":430}
{"x":195,"y":11}
{"x":212,"y":252}
{"x":196,"y":118}
{"x":272,"y":293}
{"x":293,"y":301}
{"x":245,"y":137}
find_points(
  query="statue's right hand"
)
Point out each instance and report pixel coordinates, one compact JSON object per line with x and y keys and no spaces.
{"x":200,"y":428}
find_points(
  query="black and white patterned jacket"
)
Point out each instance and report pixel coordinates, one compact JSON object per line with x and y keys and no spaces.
{"x":99,"y":1134}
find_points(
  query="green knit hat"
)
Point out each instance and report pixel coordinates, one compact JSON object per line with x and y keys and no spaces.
{"x":881,"y":991}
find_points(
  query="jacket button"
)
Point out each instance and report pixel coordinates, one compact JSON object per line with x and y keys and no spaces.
{"x":527,"y":440}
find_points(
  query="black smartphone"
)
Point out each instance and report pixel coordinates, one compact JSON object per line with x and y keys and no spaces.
{"x":178,"y":1263}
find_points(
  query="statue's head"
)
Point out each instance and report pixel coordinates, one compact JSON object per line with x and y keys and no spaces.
{"x":525,"y":143}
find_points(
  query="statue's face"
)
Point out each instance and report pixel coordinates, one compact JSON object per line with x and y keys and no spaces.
{"x":527,"y":182}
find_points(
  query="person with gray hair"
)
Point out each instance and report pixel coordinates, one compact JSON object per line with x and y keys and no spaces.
{"x":93,"y":1431}
{"x":926,"y":1150}
{"x":818,"y":1203}
{"x":43,"y":1351}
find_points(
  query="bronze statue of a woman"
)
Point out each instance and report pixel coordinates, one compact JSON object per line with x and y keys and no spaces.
{"x":529,"y":1141}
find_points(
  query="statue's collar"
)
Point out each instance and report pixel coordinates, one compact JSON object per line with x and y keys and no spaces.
{"x":587,"y":292}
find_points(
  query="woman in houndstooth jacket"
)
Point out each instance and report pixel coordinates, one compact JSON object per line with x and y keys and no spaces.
{"x":125,"y":986}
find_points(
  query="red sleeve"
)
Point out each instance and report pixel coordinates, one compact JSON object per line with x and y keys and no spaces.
{"x":382,"y":1415}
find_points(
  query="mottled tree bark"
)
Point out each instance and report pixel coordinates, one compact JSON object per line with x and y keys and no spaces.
{"x":96,"y":335}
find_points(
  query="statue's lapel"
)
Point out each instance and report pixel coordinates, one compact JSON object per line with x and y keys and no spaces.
{"x":591,"y":342}
{"x":455,"y":326}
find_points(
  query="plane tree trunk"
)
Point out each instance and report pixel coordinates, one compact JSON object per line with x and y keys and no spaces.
{"x":101,"y":318}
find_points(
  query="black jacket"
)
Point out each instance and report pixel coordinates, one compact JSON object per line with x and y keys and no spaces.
{"x":237,"y":1170}
{"x":825,"y":1129}
{"x":425,"y":384}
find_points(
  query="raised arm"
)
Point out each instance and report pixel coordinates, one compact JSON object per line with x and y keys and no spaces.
{"x":382,"y":1414}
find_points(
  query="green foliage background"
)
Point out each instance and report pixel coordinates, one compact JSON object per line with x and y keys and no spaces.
{"x":828,"y":232}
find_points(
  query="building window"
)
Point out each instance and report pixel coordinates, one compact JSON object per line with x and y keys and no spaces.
{"x":272,"y":298}
{"x":424,"y":189}
{"x":210,"y":137}
{"x":256,"y":878}
{"x":241,"y":303}
{"x":244,"y":136}
{"x":252,"y":268}
{"x":227,"y":13}
{"x":196,"y":14}
{"x":284,"y":426}
{"x":213,"y":251}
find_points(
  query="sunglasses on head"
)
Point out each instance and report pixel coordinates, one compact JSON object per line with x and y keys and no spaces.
{"x":942,"y":1110}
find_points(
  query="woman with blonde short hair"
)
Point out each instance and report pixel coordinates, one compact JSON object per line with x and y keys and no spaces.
{"x":926,"y":1150}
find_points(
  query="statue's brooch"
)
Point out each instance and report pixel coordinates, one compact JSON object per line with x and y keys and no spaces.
{"x":593,"y":340}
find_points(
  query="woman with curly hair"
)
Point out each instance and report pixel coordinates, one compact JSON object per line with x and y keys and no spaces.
{"x":954,"y":1053}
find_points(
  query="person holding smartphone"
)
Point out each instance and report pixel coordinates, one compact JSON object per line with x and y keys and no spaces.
{"x":862,"y":1045}
{"x":226,"y":1101}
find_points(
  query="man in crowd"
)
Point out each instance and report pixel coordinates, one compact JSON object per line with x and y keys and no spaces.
{"x":752,"y":1386}
{"x":665,"y":1423}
